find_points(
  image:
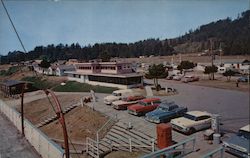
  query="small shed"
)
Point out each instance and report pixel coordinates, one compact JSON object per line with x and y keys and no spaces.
{"x":11,"y":88}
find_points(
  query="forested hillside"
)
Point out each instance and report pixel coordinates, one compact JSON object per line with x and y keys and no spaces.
{"x":232,"y":36}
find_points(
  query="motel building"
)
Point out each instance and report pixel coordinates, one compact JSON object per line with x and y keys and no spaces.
{"x":109,"y":74}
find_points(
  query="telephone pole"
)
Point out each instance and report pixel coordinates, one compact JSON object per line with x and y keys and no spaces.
{"x":212,"y":56}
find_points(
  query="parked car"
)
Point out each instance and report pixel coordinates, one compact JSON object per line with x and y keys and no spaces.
{"x":165,"y":112}
{"x":243,"y":79}
{"x":192,"y":121}
{"x":170,"y":77}
{"x":125,"y":102}
{"x":144,"y":106}
{"x":177,"y":77}
{"x":239,"y":144}
{"x":187,"y":79}
{"x":117,"y":95}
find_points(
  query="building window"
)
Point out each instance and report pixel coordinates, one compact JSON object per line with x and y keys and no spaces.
{"x":116,"y":80}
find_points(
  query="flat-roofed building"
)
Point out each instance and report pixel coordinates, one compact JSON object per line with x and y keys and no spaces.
{"x":110,"y":74}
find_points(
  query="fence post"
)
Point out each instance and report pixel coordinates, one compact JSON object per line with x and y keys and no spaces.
{"x":153,"y":144}
{"x":130,"y":145}
{"x":184,"y":146}
{"x":222,"y":153}
{"x":81,"y":102}
{"x":193,"y":144}
{"x":87,"y":145}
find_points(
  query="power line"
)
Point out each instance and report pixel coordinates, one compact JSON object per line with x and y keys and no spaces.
{"x":13,"y":26}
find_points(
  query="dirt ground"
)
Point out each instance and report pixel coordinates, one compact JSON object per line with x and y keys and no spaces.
{"x":191,"y":57}
{"x":124,"y":154}
{"x":38,"y":110}
{"x":81,"y":122}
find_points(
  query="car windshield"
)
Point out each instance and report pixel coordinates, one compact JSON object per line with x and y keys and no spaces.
{"x":244,"y":134}
{"x":163,"y":108}
{"x":191,"y":117}
{"x":142,"y":103}
{"x":116,"y":94}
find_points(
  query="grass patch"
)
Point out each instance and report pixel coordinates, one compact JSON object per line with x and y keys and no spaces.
{"x":72,"y":86}
{"x":10,"y":71}
{"x":41,"y":83}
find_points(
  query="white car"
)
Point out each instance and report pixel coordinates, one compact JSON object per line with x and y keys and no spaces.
{"x":192,"y":121}
{"x":177,"y":77}
{"x":117,"y":95}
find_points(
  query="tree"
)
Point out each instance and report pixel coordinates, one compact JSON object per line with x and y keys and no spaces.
{"x":44,"y":64}
{"x":210,"y":70}
{"x":104,"y":56}
{"x":155,"y":72}
{"x":229,"y":73}
{"x":184,"y":65}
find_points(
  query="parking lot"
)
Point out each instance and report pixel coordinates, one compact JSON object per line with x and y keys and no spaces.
{"x":231,"y":105}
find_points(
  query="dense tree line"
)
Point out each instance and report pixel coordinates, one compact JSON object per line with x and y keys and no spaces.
{"x":103,"y":50}
{"x":233,"y":36}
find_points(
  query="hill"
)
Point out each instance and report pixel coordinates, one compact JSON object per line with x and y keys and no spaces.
{"x":231,"y":36}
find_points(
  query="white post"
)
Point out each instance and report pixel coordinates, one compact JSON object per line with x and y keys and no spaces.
{"x":97,"y":143}
{"x":130,"y":145}
{"x":153,"y":144}
{"x":81,"y":101}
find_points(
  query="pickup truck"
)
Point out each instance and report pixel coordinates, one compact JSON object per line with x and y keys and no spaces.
{"x":165,"y":112}
{"x":239,"y":144}
{"x":125,"y":102}
{"x":117,"y":95}
{"x":144,"y":106}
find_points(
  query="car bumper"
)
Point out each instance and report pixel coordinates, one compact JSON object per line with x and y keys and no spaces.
{"x":179,"y":128}
{"x":107,"y":102}
{"x":119,"y":107}
{"x":237,"y":152}
{"x":152,"y":120}
{"x":133,"y":112}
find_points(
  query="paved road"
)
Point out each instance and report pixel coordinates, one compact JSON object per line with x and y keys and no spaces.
{"x":12,"y":145}
{"x":233,"y":106}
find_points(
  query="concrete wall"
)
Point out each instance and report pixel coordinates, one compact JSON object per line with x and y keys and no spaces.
{"x":43,"y":145}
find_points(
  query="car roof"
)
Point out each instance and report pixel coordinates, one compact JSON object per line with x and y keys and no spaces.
{"x":198,"y":113}
{"x":150,"y":99}
{"x":122,"y":91}
{"x":246,"y":128}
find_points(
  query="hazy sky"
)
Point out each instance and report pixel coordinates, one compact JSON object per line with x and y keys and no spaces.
{"x":43,"y":22}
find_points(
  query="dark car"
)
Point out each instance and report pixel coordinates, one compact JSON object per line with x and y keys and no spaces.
{"x":243,"y":79}
{"x":165,"y":112}
{"x":239,"y":144}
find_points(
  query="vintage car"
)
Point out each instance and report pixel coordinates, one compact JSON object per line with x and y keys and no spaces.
{"x":239,"y":144}
{"x":144,"y":106}
{"x":117,"y":95}
{"x":177,"y":77}
{"x":125,"y":102}
{"x":192,"y":121}
{"x":187,"y":79}
{"x":242,"y":79}
{"x":165,"y":112}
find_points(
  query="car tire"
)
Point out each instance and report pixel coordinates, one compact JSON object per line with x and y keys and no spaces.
{"x":191,"y":130}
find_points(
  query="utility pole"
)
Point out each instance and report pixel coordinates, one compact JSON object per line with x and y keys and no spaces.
{"x":212,"y":56}
{"x":220,"y":50}
{"x":22,"y":111}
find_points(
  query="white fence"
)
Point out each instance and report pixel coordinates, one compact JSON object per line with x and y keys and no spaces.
{"x":43,"y":145}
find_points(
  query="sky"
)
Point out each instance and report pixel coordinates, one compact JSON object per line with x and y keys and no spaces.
{"x":43,"y":22}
